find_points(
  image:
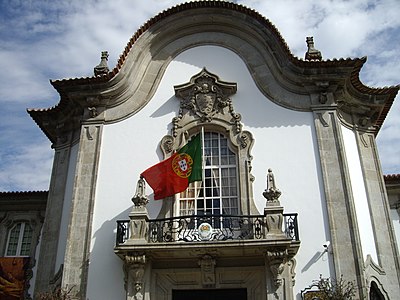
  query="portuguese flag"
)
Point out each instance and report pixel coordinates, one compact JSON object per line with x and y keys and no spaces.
{"x":173,"y":175}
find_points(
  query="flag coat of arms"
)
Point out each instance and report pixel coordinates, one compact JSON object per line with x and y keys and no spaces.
{"x":173,"y":175}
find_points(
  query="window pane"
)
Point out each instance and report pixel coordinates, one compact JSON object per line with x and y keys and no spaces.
{"x":218,"y":192}
{"x":19,"y":240}
{"x":26,"y":240}
{"x":13,"y":240}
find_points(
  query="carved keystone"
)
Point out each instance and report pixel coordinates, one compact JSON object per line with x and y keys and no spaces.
{"x":207,"y":265}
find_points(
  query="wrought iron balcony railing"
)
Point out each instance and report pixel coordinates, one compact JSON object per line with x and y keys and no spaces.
{"x":206,"y":228}
{"x":195,"y":228}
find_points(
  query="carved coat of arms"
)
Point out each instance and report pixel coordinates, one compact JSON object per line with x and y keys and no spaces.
{"x":205,"y":95}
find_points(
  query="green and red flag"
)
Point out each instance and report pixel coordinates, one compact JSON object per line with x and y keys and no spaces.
{"x":173,"y":175}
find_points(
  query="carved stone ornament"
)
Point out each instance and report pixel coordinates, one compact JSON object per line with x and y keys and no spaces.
{"x":292,"y":267}
{"x":140,"y":199}
{"x":272,"y":194}
{"x":312,"y":53}
{"x":167,"y":144}
{"x":276,"y":260}
{"x":205,"y":95}
{"x":135,"y":268}
{"x":139,"y":215}
{"x":102,"y":67}
{"x":92,"y":103}
{"x":207,"y":265}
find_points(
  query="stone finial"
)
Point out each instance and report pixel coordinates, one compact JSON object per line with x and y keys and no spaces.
{"x":140,"y":199}
{"x":272,"y":194}
{"x":312,"y":53}
{"x":102,"y":67}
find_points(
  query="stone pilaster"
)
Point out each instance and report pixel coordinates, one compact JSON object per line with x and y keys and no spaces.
{"x":345,"y":241}
{"x":46,"y":267}
{"x":76,"y":261}
{"x":379,"y":210}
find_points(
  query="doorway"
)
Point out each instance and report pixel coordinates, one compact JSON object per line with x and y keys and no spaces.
{"x":217,"y":294}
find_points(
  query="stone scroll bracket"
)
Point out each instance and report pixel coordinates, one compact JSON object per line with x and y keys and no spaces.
{"x":280,"y":264}
{"x":276,"y":260}
{"x":134,"y":267}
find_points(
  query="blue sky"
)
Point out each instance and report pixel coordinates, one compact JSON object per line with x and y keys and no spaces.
{"x":44,"y":39}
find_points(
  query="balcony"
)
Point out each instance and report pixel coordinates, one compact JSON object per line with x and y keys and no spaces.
{"x":201,"y":228}
{"x":210,"y":251}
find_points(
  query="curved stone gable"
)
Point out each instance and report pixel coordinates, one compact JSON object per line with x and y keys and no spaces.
{"x":283,"y":78}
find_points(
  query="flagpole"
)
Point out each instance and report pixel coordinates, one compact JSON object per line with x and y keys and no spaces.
{"x":203,"y":167}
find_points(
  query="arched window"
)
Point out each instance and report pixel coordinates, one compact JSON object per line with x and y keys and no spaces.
{"x":226,"y":188}
{"x":375,"y":293}
{"x":217,"y":193}
{"x":19,"y":240}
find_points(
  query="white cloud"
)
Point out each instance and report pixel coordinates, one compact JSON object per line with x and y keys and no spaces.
{"x":28,"y":167}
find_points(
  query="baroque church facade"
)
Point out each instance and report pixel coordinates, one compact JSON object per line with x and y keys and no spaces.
{"x":292,"y":188}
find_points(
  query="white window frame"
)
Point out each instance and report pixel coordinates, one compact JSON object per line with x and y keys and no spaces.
{"x":205,"y":104}
{"x":22,"y":231}
{"x":191,"y":203}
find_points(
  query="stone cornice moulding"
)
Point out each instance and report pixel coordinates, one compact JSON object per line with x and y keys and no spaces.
{"x":280,"y":76}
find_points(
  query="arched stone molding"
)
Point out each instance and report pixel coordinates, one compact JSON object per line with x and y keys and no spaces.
{"x":281,"y":77}
{"x":375,"y":274}
{"x":218,"y":115}
{"x":258,"y":48}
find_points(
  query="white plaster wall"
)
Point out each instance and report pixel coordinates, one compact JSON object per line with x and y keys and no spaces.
{"x":284,"y":141}
{"x":359,"y":194}
{"x":69,"y":185}
{"x":394,"y":216}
